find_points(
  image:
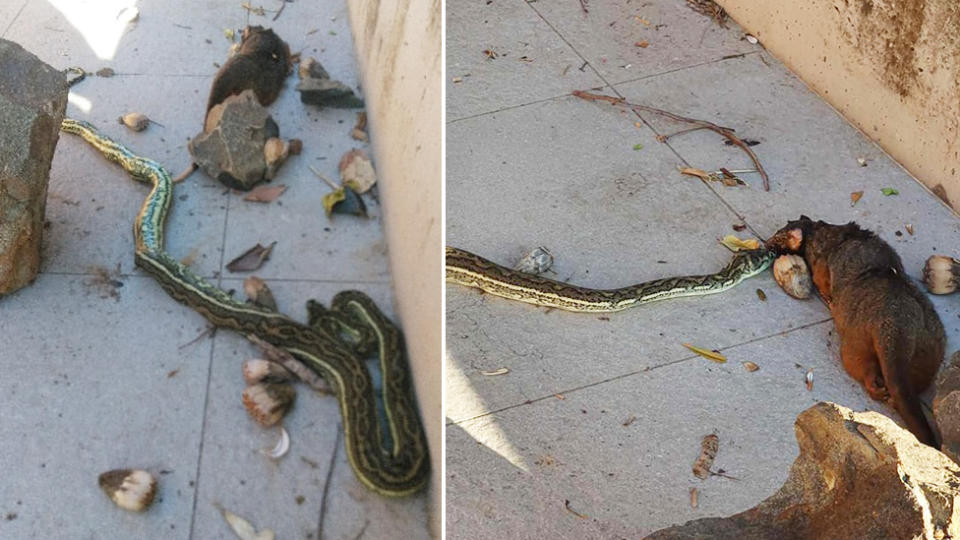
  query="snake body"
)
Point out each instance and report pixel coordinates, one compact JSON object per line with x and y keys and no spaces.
{"x":471,"y":270}
{"x":334,"y":344}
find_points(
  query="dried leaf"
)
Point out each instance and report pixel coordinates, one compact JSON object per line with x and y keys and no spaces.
{"x":638,"y":146}
{"x":733,"y":243}
{"x":229,"y":33}
{"x":909,"y":228}
{"x":243,"y":528}
{"x":281,"y":448}
{"x":862,"y":161}
{"x":708,"y":451}
{"x":690,"y":171}
{"x":761,"y":295}
{"x":693,"y":497}
{"x":561,"y":397}
{"x":265,"y":193}
{"x":855,"y":196}
{"x":889,"y":191}
{"x":458,"y":79}
{"x":344,"y":200}
{"x":501,"y":371}
{"x":642,"y":44}
{"x":251,"y":259}
{"x":711,"y":355}
{"x":357,"y":171}
{"x":257,"y":291}
{"x":809,"y":379}
{"x":750,"y":366}
{"x":359,"y":131}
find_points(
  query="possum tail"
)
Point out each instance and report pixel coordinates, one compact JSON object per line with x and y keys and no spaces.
{"x":895,"y":353}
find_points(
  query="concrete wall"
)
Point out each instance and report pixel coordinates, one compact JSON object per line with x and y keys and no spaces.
{"x":398,"y":44}
{"x":892,"y":67}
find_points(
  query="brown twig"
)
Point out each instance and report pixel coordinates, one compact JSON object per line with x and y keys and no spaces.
{"x":183,"y":176}
{"x":583,"y":6}
{"x":701,"y":124}
{"x":283,"y":4}
{"x":285,"y":359}
{"x":208,"y":331}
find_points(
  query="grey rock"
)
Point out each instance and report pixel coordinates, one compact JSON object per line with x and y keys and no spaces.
{"x":859,"y":475}
{"x":33,"y":99}
{"x":317,"y":88}
{"x":946,"y":408}
{"x":231,"y":147}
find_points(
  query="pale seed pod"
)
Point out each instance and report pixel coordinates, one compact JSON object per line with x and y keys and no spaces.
{"x":793,"y":276}
{"x":130,"y":489}
{"x":941,"y":274}
{"x":257,"y":370}
{"x":267,"y":403}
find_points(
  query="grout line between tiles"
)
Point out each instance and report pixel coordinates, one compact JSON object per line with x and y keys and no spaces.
{"x":232,"y":278}
{"x":636,"y":372}
{"x":14,"y":19}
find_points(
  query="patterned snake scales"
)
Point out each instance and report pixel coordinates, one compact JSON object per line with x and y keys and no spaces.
{"x":471,"y":270}
{"x":334,"y":344}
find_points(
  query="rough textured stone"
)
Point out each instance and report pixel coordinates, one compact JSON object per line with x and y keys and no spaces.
{"x":317,"y":88}
{"x":33,"y":98}
{"x":859,"y":475}
{"x":946,"y":408}
{"x":230,"y":148}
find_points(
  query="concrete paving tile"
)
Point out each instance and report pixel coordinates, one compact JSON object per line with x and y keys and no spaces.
{"x":8,"y":14}
{"x":808,"y":149}
{"x":608,"y":221}
{"x":532,"y":63}
{"x":509,"y":474}
{"x":102,"y":386}
{"x":235,"y":475}
{"x":92,"y":202}
{"x":676,"y":36}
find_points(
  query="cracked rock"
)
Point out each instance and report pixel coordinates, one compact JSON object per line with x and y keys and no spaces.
{"x":317,"y":88}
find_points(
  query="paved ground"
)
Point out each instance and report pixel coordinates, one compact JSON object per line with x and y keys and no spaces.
{"x":95,"y":382}
{"x":529,"y":165}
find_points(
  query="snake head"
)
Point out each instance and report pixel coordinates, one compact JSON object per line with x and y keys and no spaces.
{"x":789,"y":239}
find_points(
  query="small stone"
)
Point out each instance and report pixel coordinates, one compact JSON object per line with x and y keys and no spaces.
{"x":317,"y":88}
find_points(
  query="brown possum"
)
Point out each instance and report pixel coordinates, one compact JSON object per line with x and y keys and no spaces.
{"x":261,"y":64}
{"x":891,"y":339}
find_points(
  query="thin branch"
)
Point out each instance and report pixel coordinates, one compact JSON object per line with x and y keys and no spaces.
{"x":287,"y":360}
{"x":702,"y":124}
{"x":208,"y":331}
{"x":326,"y":485}
{"x":185,"y":174}
{"x":283,"y":4}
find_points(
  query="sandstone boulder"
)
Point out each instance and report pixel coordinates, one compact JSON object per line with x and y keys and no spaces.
{"x":859,"y":475}
{"x":33,"y":98}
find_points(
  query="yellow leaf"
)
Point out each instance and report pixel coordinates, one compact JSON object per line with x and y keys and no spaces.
{"x":855,"y":196}
{"x":736,"y":244}
{"x":711,"y":355}
{"x":690,"y":171}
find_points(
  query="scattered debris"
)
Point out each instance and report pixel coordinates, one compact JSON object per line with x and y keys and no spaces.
{"x":739,"y":226}
{"x":359,"y":131}
{"x":490,"y":54}
{"x":317,"y":88}
{"x":229,"y":33}
{"x":630,"y":419}
{"x":257,"y":370}
{"x":281,"y":448}
{"x":710,"y":9}
{"x":259,"y":293}
{"x":537,"y":261}
{"x":751,"y":39}
{"x":693,"y":497}
{"x":243,"y":528}
{"x":566,"y":504}
{"x":889,"y":191}
{"x":268,"y":403}
{"x":733,"y":243}
{"x":136,"y":121}
{"x":855,"y":196}
{"x":748,"y":142}
{"x":105,"y":282}
{"x":284,"y":358}
{"x":105,"y":72}
{"x":251,"y":259}
{"x":909,"y":228}
{"x":78,"y":73}
{"x":208,"y":331}
{"x":130,"y":489}
{"x":638,"y":146}
{"x":761,"y":295}
{"x":265,"y":193}
{"x":275,"y":152}
{"x":793,"y":276}
{"x":185,"y":174}
{"x":809,"y":379}
{"x":710,"y":355}
{"x":342,"y":200}
{"x":356,"y":171}
{"x":750,"y":366}
{"x":642,"y":44}
{"x":941,"y":274}
{"x":501,"y":371}
{"x":862,"y":161}
{"x":698,"y":124}
{"x":708,"y":452}
{"x":724,"y":176}
{"x":172,"y":373}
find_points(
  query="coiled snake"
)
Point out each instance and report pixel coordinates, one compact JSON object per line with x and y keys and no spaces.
{"x":334,"y":344}
{"x":471,"y":270}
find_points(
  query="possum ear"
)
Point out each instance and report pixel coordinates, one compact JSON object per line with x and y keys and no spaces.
{"x":804,"y":218}
{"x":795,"y":239}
